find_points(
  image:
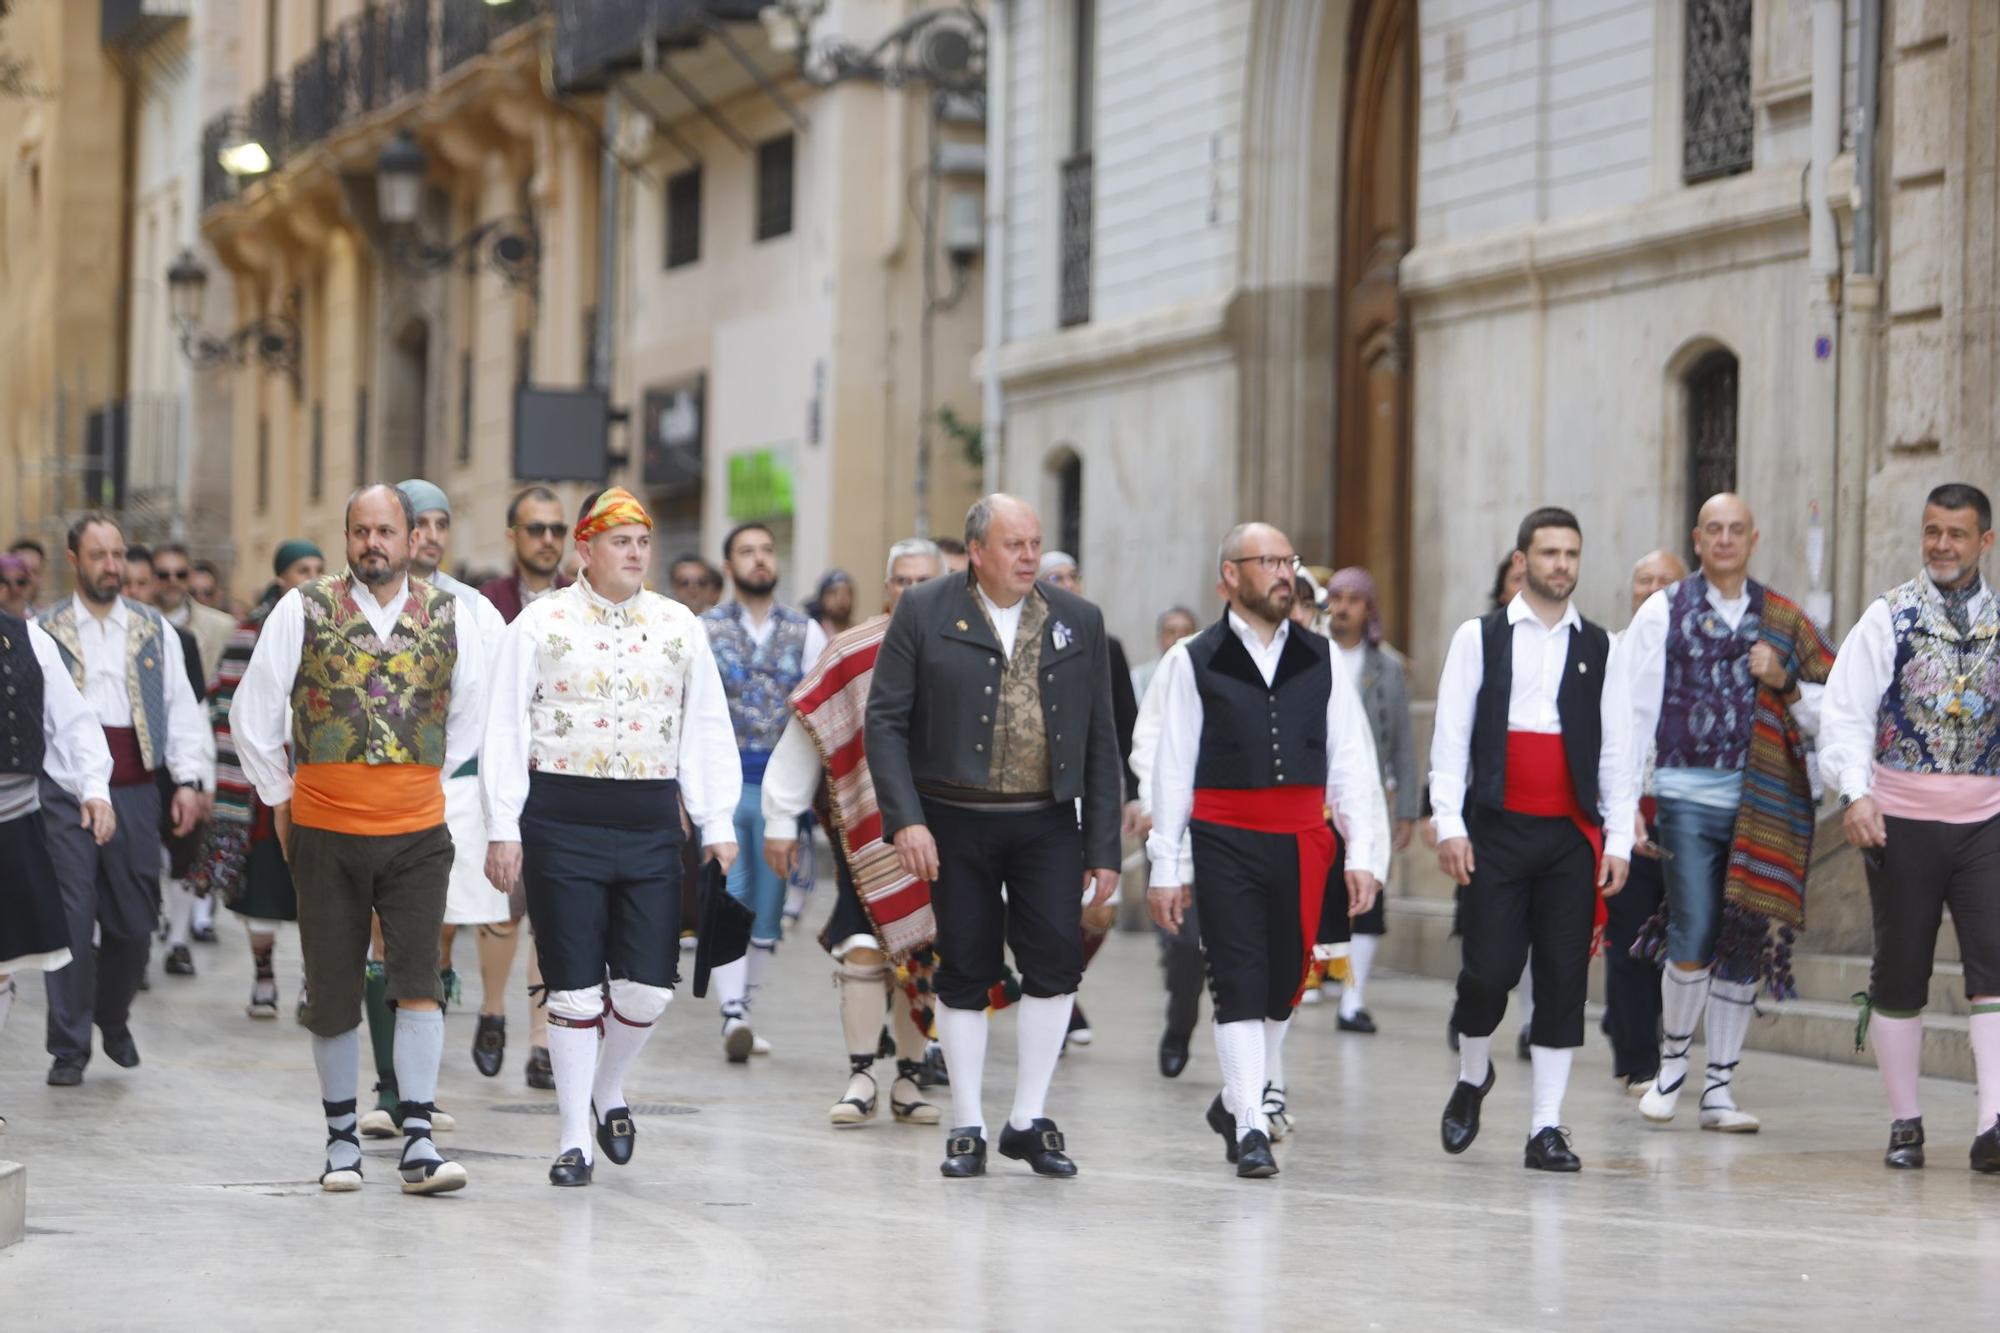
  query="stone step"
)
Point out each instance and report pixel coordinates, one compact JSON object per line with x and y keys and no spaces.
{"x":1826,"y":1032}
{"x":1836,"y":978}
{"x":13,"y":1203}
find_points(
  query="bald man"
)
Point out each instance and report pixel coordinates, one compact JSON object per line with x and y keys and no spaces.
{"x":1724,"y":677}
{"x":1632,"y":985}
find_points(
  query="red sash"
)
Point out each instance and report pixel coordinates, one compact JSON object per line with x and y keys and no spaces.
{"x":1299,"y":812}
{"x":128,"y":764}
{"x":1538,"y":783}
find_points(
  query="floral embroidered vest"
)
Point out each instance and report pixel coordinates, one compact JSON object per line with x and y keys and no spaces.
{"x":360,"y":700}
{"x":1020,"y":731}
{"x":610,"y":683}
{"x":757,"y":679}
{"x":1709,"y":695}
{"x":1941,"y":712}
{"x":145,"y":669}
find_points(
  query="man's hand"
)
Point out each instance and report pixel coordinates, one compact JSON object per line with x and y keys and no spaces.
{"x":1611,"y":875}
{"x":1767,"y":666}
{"x":503,"y":865}
{"x":916,"y":851}
{"x":1864,"y":825}
{"x":100,"y":819}
{"x":1168,"y":905}
{"x":1362,"y":889}
{"x":281,"y":824}
{"x":1455,"y":859}
{"x":1428,"y":832}
{"x":782,"y":855}
{"x":186,"y":810}
{"x":1642,"y":839}
{"x":722,"y":853}
{"x":1136,"y":823}
{"x":1405,"y":829}
{"x":1106,"y":882}
{"x":1100,"y":919}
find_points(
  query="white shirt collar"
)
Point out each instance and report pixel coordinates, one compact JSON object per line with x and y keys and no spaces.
{"x":182,"y":614}
{"x":994,"y":608}
{"x":364,"y":596}
{"x":597,"y":598}
{"x":118,"y":615}
{"x":1518,"y":610}
{"x":1245,"y":632}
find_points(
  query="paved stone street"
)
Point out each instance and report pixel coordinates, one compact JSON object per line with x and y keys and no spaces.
{"x":180,"y":1195}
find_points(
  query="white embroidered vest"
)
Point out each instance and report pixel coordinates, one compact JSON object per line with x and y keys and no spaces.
{"x":610,"y":684}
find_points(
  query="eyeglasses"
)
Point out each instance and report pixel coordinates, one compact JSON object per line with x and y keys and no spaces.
{"x":1271,"y":564}
{"x":17,"y":583}
{"x":541,"y":530}
{"x":905,"y":582}
{"x":177,"y":575}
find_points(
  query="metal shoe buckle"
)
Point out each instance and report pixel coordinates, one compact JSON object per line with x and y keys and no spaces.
{"x":619,"y":1125}
{"x":964,"y":1145}
{"x":1052,"y":1140}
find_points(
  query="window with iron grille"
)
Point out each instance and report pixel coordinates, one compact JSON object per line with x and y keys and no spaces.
{"x":316,"y":477}
{"x":1718,"y":124}
{"x":684,"y":217}
{"x":774,"y":187}
{"x":465,"y":407}
{"x":1711,"y":417}
{"x":1077,"y":183}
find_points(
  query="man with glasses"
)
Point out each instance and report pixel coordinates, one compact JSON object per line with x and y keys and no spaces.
{"x":15,"y":585}
{"x":869,"y":936}
{"x":695,"y":583}
{"x":1263,"y":848}
{"x":538,"y":530}
{"x":211,"y":628}
{"x":35,"y":558}
{"x":205,"y":585}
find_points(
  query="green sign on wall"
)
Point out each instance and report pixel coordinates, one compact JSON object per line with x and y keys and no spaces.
{"x":760,"y":485}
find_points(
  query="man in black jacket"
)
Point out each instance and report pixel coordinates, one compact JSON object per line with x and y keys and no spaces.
{"x":989,"y":717}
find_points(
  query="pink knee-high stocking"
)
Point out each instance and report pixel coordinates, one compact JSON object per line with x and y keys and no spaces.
{"x":1899,"y":1048}
{"x":1986,"y":1058}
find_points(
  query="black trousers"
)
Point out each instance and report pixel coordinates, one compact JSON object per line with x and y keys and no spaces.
{"x":1926,"y":867}
{"x":1632,"y":985}
{"x":1037,"y":856}
{"x":1532,"y":886}
{"x":112,"y":891}
{"x":1248,"y":904}
{"x":1181,"y":961}
{"x":601,"y":863}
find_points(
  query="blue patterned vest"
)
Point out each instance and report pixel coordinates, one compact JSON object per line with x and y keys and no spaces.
{"x":1710,"y":695}
{"x":22,"y":742}
{"x":757,"y":679}
{"x":1941,"y":712}
{"x":145,"y":669}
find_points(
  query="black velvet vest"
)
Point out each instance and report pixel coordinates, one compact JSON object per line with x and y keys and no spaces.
{"x":22,"y":743}
{"x":1256,"y":735}
{"x":1578,"y":704}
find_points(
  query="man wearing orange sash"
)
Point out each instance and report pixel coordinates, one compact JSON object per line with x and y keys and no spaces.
{"x":1534,"y":807}
{"x":366,"y":675}
{"x":1257,"y":817}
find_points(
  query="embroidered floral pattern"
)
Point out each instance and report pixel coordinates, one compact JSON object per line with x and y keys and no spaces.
{"x":610,"y":683}
{"x":363,"y":700}
{"x":1940,"y":713}
{"x":1709,"y":695}
{"x":757,"y":678}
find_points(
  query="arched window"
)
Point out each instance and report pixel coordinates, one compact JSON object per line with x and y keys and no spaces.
{"x":1717,"y":121}
{"x":1711,"y":428}
{"x":1066,"y":479}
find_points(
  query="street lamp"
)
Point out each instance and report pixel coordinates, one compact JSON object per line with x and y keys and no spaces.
{"x":509,"y":243}
{"x":272,"y":339}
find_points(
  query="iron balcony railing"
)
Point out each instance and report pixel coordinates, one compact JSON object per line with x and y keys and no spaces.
{"x":130,"y":24}
{"x":1073,"y":305}
{"x":597,"y":38}
{"x":376,"y":58}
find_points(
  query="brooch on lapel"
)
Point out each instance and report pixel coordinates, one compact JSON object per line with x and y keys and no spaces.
{"x":1583,"y":668}
{"x":961,"y":627}
{"x":1060,"y":636}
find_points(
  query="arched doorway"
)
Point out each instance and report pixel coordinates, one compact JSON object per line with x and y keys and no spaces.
{"x":1711,"y":428}
{"x":1371,"y":484}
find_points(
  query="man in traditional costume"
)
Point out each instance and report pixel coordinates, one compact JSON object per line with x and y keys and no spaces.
{"x":128,"y":664}
{"x":1531,"y":788}
{"x":1724,"y":676}
{"x":989,"y":716}
{"x":881,"y":922}
{"x":1911,"y":736}
{"x":370,"y":679}
{"x":47,"y":733}
{"x":1263,"y":845}
{"x":242,"y":862}
{"x":607,"y":711}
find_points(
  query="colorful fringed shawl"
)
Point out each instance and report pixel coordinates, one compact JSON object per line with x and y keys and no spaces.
{"x":1764,"y":900}
{"x":240,"y":818}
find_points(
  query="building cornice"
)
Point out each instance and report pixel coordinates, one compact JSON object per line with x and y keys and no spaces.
{"x":1091,"y":349}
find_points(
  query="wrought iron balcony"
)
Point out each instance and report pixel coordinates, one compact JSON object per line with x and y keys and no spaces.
{"x":128,"y":25}
{"x":595,"y":39}
{"x":1073,"y":302}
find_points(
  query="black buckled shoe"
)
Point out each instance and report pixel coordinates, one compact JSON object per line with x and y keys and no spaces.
{"x":1906,"y":1145}
{"x":615,"y":1133}
{"x":1173,"y":1054}
{"x":1986,"y":1151}
{"x":1460,"y":1125}
{"x":1040,"y":1146}
{"x":489,"y":1044}
{"x":1549,"y":1150}
{"x":1224,"y":1124}
{"x":964,"y":1154}
{"x":541,"y":1074}
{"x":1362,"y":1021}
{"x":120,"y":1049}
{"x":1253,"y":1157}
{"x":570,"y":1170}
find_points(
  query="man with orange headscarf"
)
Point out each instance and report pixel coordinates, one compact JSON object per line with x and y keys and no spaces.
{"x":608,"y":712}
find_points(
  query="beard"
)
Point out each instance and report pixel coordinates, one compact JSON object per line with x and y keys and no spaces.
{"x":1274,"y":604}
{"x":538,"y":564}
{"x":757,"y":584}
{"x":1557,"y":590}
{"x":104,"y":591}
{"x":379,"y":571}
